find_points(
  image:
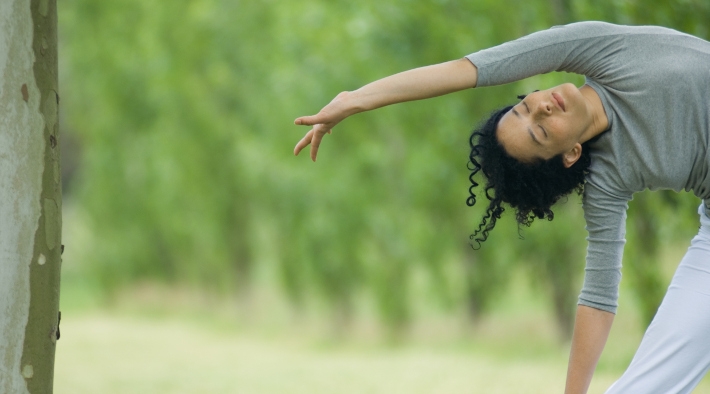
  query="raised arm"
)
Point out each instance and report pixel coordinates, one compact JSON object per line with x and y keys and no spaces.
{"x":591,"y":330}
{"x":416,"y":84}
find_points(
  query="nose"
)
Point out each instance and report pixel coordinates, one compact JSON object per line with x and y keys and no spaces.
{"x":543,"y":108}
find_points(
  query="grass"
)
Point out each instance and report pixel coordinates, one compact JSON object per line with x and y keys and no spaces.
{"x":121,"y":354}
{"x":158,"y":340}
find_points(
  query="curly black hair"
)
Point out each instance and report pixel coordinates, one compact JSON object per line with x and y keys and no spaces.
{"x":530,"y":188}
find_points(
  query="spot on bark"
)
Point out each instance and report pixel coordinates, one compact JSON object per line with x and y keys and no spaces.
{"x":43,"y":7}
{"x":44,"y":46}
{"x":53,"y":334}
{"x":51,"y":222}
{"x":49,"y":111}
{"x":55,"y":167}
{"x":41,"y":260}
{"x":28,"y":372}
{"x":25,"y":93}
{"x":59,"y":319}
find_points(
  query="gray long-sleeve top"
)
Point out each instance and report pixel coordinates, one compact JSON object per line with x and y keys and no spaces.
{"x":654,"y":84}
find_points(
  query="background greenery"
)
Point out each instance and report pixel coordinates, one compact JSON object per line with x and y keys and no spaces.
{"x":178,"y":136}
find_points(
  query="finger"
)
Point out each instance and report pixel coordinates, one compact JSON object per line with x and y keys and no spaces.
{"x":314,"y":153}
{"x":303,"y":142}
{"x":315,"y":144}
{"x":309,"y":120}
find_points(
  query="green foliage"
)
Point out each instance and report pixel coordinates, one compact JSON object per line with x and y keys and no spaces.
{"x":184,"y":113}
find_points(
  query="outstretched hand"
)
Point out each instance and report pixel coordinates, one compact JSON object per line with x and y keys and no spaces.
{"x":323,"y":123}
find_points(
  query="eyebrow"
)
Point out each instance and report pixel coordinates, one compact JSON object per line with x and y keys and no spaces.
{"x":532,"y":135}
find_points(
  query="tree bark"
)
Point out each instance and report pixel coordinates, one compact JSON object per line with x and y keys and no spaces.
{"x":30,"y":196}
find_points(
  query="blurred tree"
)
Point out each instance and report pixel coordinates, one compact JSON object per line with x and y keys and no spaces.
{"x":655,"y":219}
{"x":562,"y":11}
{"x":486,"y":274}
{"x":163,"y":177}
{"x":643,"y":262}
{"x":554,"y":255}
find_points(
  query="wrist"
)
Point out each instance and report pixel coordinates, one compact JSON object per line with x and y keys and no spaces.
{"x":355,"y":102}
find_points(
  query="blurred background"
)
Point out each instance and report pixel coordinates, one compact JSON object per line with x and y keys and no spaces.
{"x":202,"y":256}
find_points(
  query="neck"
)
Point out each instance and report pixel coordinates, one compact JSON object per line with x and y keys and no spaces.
{"x":600,"y":122}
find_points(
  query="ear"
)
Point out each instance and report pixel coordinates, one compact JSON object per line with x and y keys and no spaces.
{"x":571,"y":156}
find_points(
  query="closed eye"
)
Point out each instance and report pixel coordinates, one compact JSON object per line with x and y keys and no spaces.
{"x":543,"y":130}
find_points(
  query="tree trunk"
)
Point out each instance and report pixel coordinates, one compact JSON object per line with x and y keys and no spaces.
{"x":644,"y":264}
{"x":30,"y":196}
{"x":562,"y":11}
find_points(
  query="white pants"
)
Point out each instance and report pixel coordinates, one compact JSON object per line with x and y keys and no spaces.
{"x":674,"y":354}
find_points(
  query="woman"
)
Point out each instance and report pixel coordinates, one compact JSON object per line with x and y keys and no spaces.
{"x":641,"y":120}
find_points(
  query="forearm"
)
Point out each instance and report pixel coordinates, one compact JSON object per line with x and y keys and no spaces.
{"x":591,"y":330}
{"x":416,"y":84}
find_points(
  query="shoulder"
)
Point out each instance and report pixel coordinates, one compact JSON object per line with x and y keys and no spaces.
{"x":587,"y":29}
{"x":587,"y":34}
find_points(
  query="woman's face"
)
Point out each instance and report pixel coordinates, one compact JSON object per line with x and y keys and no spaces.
{"x":545,"y":124}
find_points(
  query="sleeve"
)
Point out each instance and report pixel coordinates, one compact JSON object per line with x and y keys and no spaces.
{"x":605,"y":215}
{"x":585,"y":48}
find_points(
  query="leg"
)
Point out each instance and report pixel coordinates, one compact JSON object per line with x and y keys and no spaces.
{"x":674,"y":354}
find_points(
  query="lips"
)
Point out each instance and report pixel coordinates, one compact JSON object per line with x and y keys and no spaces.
{"x":558,"y":100}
